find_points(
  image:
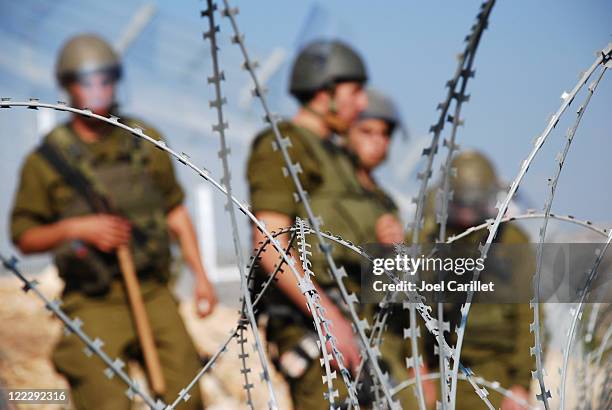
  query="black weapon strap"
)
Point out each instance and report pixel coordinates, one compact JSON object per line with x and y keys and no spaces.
{"x":74,"y":178}
{"x":80,"y":183}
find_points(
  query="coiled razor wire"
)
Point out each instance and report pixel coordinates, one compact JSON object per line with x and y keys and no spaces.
{"x":292,"y":170}
{"x":358,"y":250}
{"x":552,"y":182}
{"x":240,"y":326}
{"x":262,"y":247}
{"x":603,"y":58}
{"x":314,"y":305}
{"x":456,"y":91}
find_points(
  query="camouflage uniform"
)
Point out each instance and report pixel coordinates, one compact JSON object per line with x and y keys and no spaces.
{"x":347,"y":210}
{"x":497,"y":338}
{"x":139,"y":180}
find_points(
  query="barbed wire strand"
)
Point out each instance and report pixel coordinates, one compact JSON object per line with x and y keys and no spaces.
{"x":445,"y":194}
{"x":502,"y":207}
{"x":321,"y":323}
{"x":224,"y":153}
{"x":531,"y":215}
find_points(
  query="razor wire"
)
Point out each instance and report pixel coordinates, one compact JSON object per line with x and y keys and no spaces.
{"x":599,"y":253}
{"x":115,"y":367}
{"x":602,"y":59}
{"x":532,"y":215}
{"x":456,"y":91}
{"x":445,"y":194}
{"x":552,"y":182}
{"x":361,"y":252}
{"x":224,"y":153}
{"x":314,"y":305}
{"x":291,"y":170}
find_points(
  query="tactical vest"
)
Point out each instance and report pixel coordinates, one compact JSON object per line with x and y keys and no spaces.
{"x":128,"y":186}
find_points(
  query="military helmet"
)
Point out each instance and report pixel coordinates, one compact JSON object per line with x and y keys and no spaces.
{"x":84,"y":54}
{"x":475,"y":181}
{"x":381,"y":107}
{"x":322,"y":63}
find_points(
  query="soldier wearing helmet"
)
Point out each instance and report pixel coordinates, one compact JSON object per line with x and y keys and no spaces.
{"x":327,"y":80}
{"x":497,"y":339}
{"x":78,"y":162}
{"x":368,"y":141}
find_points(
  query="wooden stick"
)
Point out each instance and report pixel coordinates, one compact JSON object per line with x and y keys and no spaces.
{"x":143,"y":327}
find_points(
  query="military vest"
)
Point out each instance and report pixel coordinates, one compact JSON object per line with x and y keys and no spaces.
{"x":127,"y":185}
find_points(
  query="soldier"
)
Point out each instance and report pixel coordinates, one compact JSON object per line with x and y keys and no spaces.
{"x":327,"y":80}
{"x":497,"y":339}
{"x":85,"y":160}
{"x":368,"y":140}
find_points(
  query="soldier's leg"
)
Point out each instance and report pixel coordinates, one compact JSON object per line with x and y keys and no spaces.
{"x":90,"y":388}
{"x":178,"y":356}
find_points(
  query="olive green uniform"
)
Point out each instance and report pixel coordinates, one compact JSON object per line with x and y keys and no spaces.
{"x":139,"y":181}
{"x":497,"y":337}
{"x":347,"y":210}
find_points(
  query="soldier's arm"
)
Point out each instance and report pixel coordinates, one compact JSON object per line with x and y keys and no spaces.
{"x":287,"y":283}
{"x":106,"y":232}
{"x":33,"y":228}
{"x":272,"y":201}
{"x":181,"y":226}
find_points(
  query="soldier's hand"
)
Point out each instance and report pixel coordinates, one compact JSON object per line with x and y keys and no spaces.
{"x":345,"y":341}
{"x":519,"y":392}
{"x":104,"y":231}
{"x":205,"y":297}
{"x":389,"y":230}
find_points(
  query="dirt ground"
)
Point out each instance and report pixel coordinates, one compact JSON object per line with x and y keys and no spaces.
{"x":29,"y":332}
